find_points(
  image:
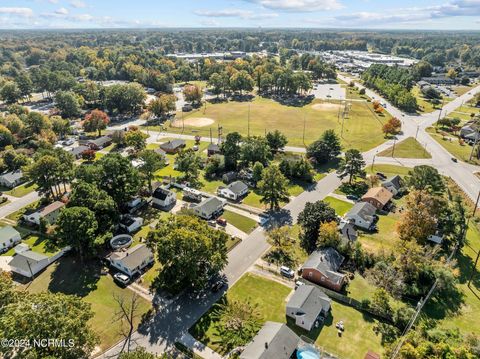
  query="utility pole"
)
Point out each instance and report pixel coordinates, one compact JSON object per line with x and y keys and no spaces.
{"x":373,"y":161}
{"x":477,"y":134}
{"x":441,"y":109}
{"x":211,"y":140}
{"x":304,"y":125}
{"x":248,"y":122}
{"x":393,"y":149}
{"x":416,"y":133}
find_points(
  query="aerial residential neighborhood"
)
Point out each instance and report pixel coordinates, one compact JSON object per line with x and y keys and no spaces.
{"x":254,"y":180}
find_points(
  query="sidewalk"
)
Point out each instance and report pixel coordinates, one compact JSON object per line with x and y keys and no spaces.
{"x":199,"y":348}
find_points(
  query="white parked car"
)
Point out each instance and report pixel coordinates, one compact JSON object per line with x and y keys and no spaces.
{"x":121,"y":278}
{"x":287,"y":272}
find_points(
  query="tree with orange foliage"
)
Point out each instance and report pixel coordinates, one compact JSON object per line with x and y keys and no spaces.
{"x":392,"y":127}
{"x":96,"y":120}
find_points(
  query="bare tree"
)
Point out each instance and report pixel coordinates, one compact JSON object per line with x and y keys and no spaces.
{"x":127,"y":313}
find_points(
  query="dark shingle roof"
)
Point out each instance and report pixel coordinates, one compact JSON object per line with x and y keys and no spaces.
{"x":237,"y":187}
{"x":161,"y":193}
{"x":327,"y":261}
{"x":172,"y":145}
{"x":273,"y":341}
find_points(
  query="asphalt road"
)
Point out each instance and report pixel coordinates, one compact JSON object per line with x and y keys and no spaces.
{"x":169,"y":325}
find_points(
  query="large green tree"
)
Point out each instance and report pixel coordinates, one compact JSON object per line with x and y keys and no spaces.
{"x":426,"y":178}
{"x":273,"y":187}
{"x":24,"y":315}
{"x":77,"y":228}
{"x":255,"y":149}
{"x":231,"y":150}
{"x":151,"y":163}
{"x":326,"y":148}
{"x":189,"y":251}
{"x":188,"y":162}
{"x":88,"y":195}
{"x":276,"y":140}
{"x":118,"y":178}
{"x":312,"y":216}
{"x":352,"y":165}
{"x":68,"y":103}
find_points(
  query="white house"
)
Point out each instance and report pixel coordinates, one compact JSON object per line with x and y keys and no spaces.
{"x":209,"y":208}
{"x":131,"y":224}
{"x":234,"y":190}
{"x":28,"y":263}
{"x":362,"y":215}
{"x":12,"y":179}
{"x":163,"y":197}
{"x":48,"y":213}
{"x":9,"y":237}
{"x":133,"y":261}
{"x":306,"y":305}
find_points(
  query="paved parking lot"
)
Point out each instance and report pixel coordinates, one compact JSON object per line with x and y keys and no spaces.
{"x":329,"y":92}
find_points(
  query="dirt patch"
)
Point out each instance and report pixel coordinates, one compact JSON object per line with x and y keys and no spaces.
{"x":194,"y":122}
{"x":326,"y":106}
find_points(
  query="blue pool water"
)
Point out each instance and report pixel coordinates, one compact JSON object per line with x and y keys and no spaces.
{"x":308,"y":353}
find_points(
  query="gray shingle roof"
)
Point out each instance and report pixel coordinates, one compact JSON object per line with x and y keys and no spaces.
{"x":8,"y":232}
{"x":396,"y":181}
{"x":210,"y":205}
{"x":101,"y":141}
{"x":134,"y":257}
{"x":311,"y":300}
{"x":364,"y":210}
{"x":273,"y":341}
{"x":26,"y":259}
{"x":79,"y":150}
{"x":237,"y":187}
{"x":13,"y":176}
{"x":327,"y":261}
{"x":213,"y":147}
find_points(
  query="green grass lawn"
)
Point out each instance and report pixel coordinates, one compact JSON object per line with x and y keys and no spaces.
{"x":452,"y":145}
{"x":362,"y":129}
{"x":22,"y":190}
{"x":271,"y":296}
{"x":243,"y":223}
{"x":70,"y":277}
{"x":15,"y":216}
{"x":36,"y":244}
{"x":467,"y":304}
{"x":388,"y":170}
{"x":341,"y":207}
{"x":408,"y":148}
{"x":268,"y":295}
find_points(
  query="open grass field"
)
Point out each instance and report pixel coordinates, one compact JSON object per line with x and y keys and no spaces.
{"x":362,"y":128}
{"x":452,"y":145}
{"x":243,"y":223}
{"x":70,"y":277}
{"x":341,"y":207}
{"x":22,"y":190}
{"x":408,"y":148}
{"x":271,"y":296}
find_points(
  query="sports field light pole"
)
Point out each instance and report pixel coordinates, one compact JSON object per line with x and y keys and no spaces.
{"x":373,"y":161}
{"x":248,"y":122}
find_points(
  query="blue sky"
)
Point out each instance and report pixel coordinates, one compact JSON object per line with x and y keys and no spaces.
{"x":406,"y":14}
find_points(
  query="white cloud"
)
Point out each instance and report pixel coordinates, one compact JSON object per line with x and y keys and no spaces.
{"x":61,"y":11}
{"x":242,"y":14}
{"x":53,"y":1}
{"x":17,"y":11}
{"x":78,"y":4}
{"x":82,"y":17}
{"x":299,"y":5}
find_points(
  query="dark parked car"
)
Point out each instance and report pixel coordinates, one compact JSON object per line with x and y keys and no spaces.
{"x":352,"y":197}
{"x":381,"y":175}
